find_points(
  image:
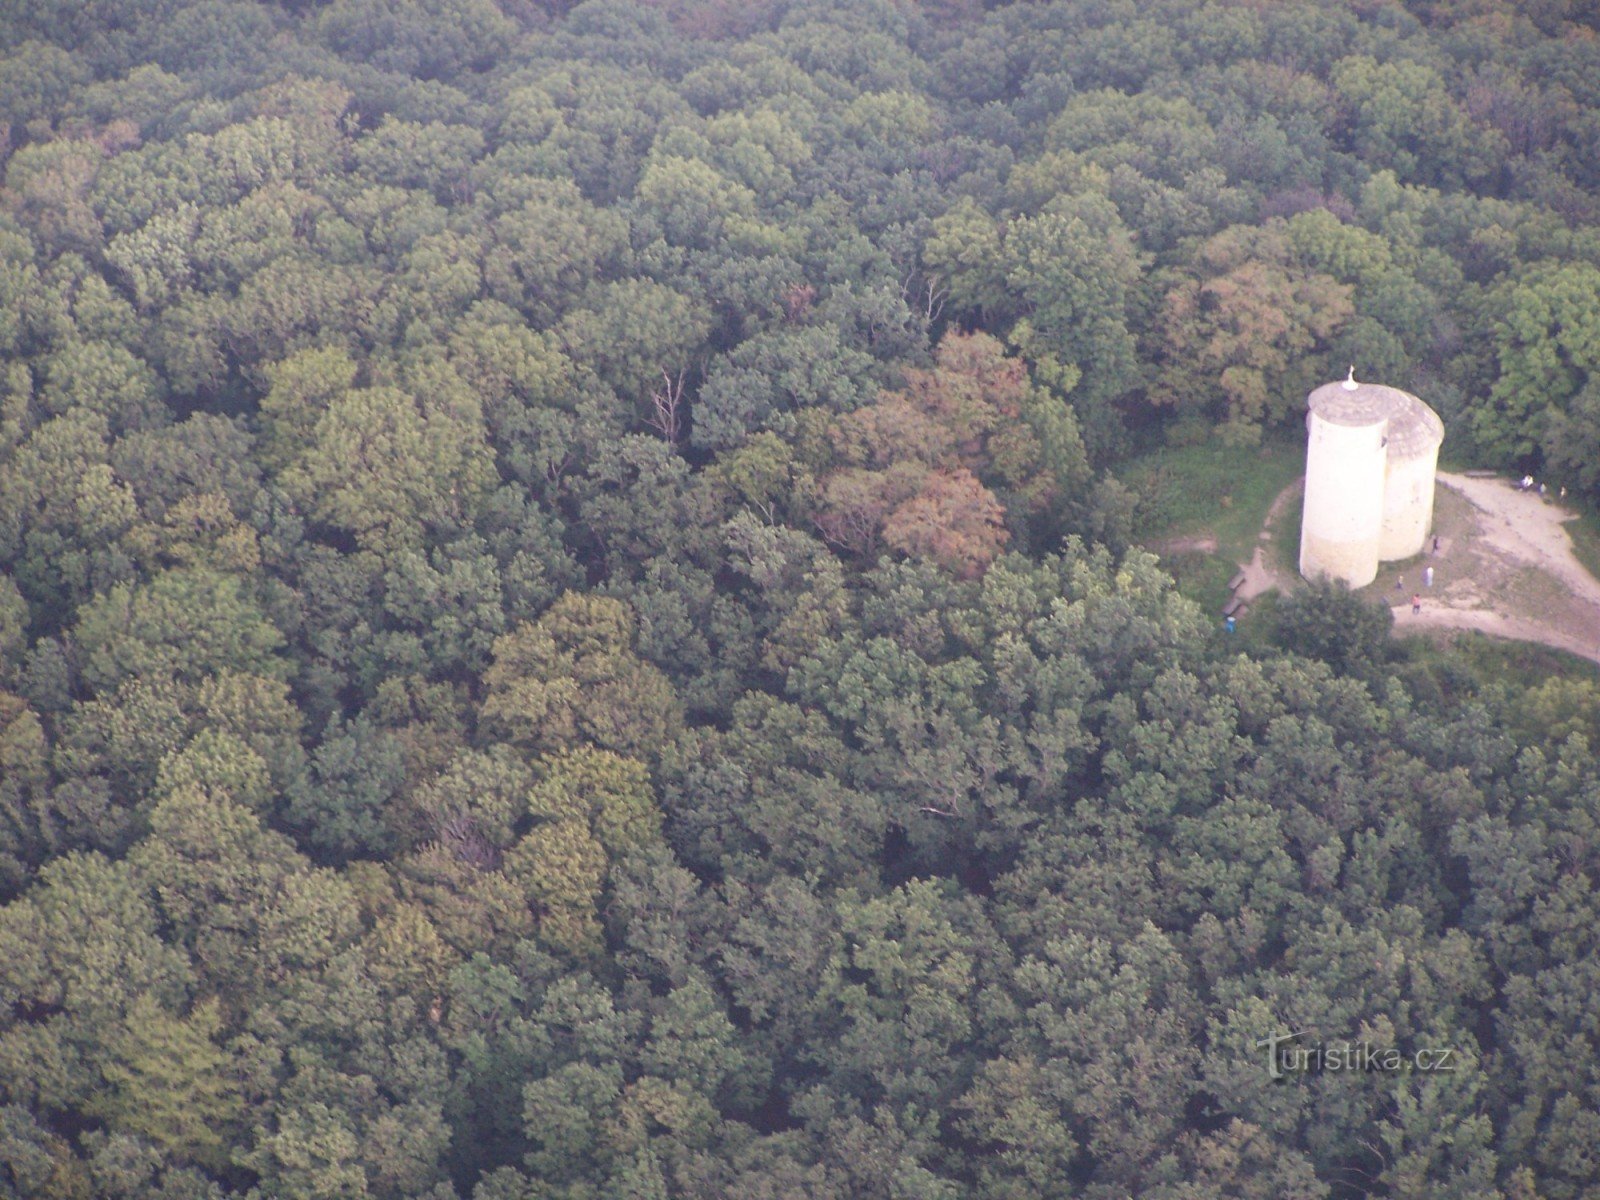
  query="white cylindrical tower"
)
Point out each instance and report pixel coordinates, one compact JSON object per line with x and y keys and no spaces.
{"x":1414,"y":436}
{"x":1343,"y":517}
{"x":1371,"y":454}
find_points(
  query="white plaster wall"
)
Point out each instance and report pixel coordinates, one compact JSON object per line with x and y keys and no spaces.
{"x":1343,"y":519}
{"x":1407,"y":505}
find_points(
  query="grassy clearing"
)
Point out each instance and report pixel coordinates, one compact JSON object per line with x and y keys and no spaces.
{"x":1585,"y":533}
{"x":1210,"y":490}
{"x":1202,"y":577}
{"x":1284,"y":551}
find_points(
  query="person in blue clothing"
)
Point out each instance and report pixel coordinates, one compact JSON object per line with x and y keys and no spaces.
{"x":1228,"y":624}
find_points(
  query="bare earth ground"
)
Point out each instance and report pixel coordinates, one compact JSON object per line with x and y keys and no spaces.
{"x":1505,"y":567}
{"x":1203,"y":543}
{"x":1261,"y":574}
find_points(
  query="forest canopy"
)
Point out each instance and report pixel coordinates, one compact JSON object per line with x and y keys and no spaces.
{"x":571,"y":622}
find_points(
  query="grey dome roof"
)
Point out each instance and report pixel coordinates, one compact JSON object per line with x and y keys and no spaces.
{"x":1413,"y":427}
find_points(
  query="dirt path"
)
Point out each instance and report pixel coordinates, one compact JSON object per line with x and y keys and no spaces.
{"x":1504,"y":567}
{"x":1261,"y":574}
{"x":1434,"y":616}
{"x":1202,"y":543}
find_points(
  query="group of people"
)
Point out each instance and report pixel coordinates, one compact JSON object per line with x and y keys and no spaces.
{"x":1526,"y":484}
{"x":1427,"y":582}
{"x":1229,"y":624}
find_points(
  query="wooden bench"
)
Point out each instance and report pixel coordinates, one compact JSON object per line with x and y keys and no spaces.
{"x":1233,"y":608}
{"x":1233,"y":584}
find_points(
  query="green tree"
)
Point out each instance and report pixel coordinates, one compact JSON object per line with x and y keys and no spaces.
{"x":185,"y":624}
{"x":550,"y":246}
{"x":1569,"y":444}
{"x":632,"y":330}
{"x":432,"y":39}
{"x":310,"y":1150}
{"x":1074,"y":264}
{"x":1110,"y":1023}
{"x":346,"y":805}
{"x":967,"y":251}
{"x":102,"y":378}
{"x":216,"y":875}
{"x":62,"y":512}
{"x":48,"y":186}
{"x":30,"y":829}
{"x":693,"y":202}
{"x":1547,"y":342}
{"x":572,"y":678}
{"x":35,"y":1162}
{"x":390,"y":468}
{"x":1326,"y":622}
{"x":75,"y":954}
{"x":561,"y":867}
{"x":1402,"y":115}
{"x":903,"y":988}
{"x":300,"y":389}
{"x":1240,"y":338}
{"x":434,"y":157}
{"x":605,"y":791}
{"x":167,"y":1080}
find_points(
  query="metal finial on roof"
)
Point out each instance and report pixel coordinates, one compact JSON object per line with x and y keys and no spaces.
{"x":1350,"y":383}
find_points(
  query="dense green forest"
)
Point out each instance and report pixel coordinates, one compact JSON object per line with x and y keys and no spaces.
{"x":572,"y":623}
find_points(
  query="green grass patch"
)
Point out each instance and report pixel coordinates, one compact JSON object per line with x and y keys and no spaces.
{"x":1202,"y":577}
{"x":1212,"y":489}
{"x":1460,"y":455}
{"x":1284,"y":552}
{"x":1208,"y":491}
{"x":1468,"y":655}
{"x":1585,"y":534}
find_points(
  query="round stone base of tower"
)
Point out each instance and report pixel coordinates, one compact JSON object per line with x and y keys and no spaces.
{"x":1413,"y":464}
{"x":1343,"y":511}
